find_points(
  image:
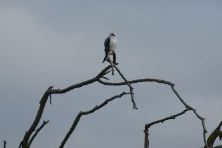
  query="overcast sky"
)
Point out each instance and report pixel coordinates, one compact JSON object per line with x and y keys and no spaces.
{"x":54,"y":42}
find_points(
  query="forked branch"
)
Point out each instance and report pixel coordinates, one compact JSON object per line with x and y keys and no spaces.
{"x":147,"y":126}
{"x":37,"y":131}
{"x":130,"y":87}
{"x":81,"y":113}
{"x":25,"y":142}
{"x":195,"y":112}
{"x":172,"y":85}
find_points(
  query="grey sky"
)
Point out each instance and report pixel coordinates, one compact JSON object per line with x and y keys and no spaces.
{"x":59,"y":43}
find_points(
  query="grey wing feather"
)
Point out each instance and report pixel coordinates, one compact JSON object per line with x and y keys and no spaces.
{"x":106,"y":43}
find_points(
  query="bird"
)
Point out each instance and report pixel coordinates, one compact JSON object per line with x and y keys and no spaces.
{"x":110,"y":44}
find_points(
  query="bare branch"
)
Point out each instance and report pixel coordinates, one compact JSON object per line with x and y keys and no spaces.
{"x":137,"y":81}
{"x":37,"y":131}
{"x":127,"y":83}
{"x":105,"y":78}
{"x":195,"y":112}
{"x":213,"y":136}
{"x":78,"y":85}
{"x":165,"y":119}
{"x":147,"y":126}
{"x":48,"y":92}
{"x":178,"y":96}
{"x":4,"y":144}
{"x":81,"y":113}
{"x":24,"y":142}
{"x":174,"y":90}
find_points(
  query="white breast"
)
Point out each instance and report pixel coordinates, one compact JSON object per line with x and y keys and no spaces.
{"x":113,"y":43}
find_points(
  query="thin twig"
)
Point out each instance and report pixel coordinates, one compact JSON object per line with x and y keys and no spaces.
{"x":105,"y":78}
{"x":4,"y":144}
{"x":37,"y":131}
{"x":195,"y":112}
{"x":166,"y":118}
{"x":179,"y":97}
{"x":130,"y":87}
{"x":147,"y":126}
{"x":137,"y":81}
{"x":81,"y":113}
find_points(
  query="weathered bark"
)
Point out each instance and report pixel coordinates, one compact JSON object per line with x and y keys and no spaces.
{"x":217,"y":133}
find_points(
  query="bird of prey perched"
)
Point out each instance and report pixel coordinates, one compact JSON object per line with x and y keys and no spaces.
{"x":110,"y":46}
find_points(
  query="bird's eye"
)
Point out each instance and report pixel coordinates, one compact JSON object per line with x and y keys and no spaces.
{"x":112,"y":34}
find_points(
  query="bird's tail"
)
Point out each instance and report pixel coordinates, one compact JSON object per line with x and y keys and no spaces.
{"x":104,"y":59}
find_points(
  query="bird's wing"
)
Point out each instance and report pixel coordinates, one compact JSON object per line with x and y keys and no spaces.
{"x":106,"y":43}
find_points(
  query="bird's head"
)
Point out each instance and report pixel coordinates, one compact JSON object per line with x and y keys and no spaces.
{"x":112,"y":34}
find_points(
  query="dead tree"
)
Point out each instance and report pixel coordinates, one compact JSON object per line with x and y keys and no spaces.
{"x":101,"y":78}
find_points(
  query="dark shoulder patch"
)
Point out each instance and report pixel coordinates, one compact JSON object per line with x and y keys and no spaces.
{"x":106,"y":42}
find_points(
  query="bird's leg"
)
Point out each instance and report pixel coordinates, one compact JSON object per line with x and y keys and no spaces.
{"x":106,"y":55}
{"x":111,"y":63}
{"x":114,"y":57}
